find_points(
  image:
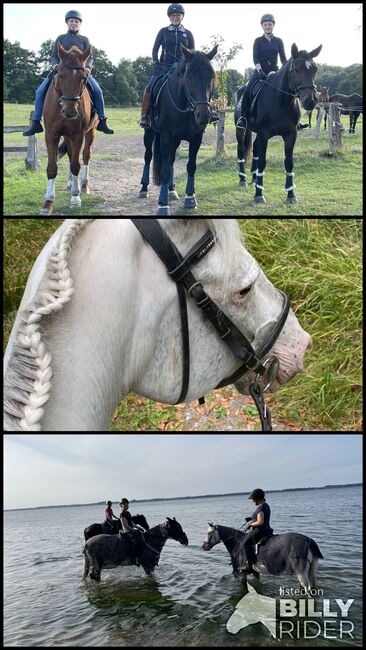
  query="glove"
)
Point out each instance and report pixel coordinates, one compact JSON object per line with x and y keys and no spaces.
{"x":248,"y":519}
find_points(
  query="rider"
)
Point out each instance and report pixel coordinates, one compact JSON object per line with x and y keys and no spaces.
{"x":108,"y":513}
{"x":266,"y":50}
{"x":73,"y":20}
{"x":130,"y":530}
{"x":169,"y":39}
{"x":260,"y":527}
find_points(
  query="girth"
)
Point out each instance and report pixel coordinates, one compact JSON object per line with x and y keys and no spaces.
{"x":179,"y":270}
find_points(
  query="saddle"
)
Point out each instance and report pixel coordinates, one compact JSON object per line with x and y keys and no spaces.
{"x":262,"y":542}
{"x":155,"y":94}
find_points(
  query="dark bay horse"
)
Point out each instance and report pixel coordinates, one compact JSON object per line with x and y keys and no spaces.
{"x":352,"y":105}
{"x":277,"y":112}
{"x":102,"y":529}
{"x":67,"y":113}
{"x":110,"y":551}
{"x":290,"y":553}
{"x":182,"y":112}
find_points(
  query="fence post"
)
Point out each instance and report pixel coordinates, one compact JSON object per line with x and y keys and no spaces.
{"x":220,"y":141}
{"x":319,"y":120}
{"x":31,"y":161}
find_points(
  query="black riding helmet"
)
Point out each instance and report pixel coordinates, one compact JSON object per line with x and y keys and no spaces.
{"x":73,"y":14}
{"x":175,"y":9}
{"x":268,"y":17}
{"x":109,"y":503}
{"x":257,"y":495}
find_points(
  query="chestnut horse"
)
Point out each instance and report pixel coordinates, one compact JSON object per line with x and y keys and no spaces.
{"x":67,"y":113}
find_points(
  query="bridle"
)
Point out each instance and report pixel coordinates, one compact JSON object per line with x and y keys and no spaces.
{"x":71,"y":98}
{"x":179,"y":270}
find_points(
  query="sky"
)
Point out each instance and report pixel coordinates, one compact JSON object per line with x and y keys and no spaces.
{"x":62,"y":469}
{"x":126,"y":30}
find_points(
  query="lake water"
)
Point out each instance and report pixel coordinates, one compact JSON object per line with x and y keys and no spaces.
{"x":192,"y":594}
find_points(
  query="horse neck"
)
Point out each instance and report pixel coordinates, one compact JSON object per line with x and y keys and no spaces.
{"x":281,"y":81}
{"x":157,"y":537}
{"x":229,"y":537}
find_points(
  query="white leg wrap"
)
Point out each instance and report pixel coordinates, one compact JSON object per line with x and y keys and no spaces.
{"x":50,"y":192}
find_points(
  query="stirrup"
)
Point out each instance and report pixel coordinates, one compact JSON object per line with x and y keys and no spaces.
{"x":145,"y":122}
{"x":242,"y":122}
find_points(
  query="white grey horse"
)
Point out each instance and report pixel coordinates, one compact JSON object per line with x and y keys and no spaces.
{"x":100,"y":318}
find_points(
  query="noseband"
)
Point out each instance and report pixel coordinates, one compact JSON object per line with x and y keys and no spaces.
{"x":179,"y":270}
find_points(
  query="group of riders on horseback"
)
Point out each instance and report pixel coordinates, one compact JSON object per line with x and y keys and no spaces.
{"x":266,"y":50}
{"x":258,"y":529}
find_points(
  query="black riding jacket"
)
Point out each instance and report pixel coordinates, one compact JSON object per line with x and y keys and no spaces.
{"x":170,"y":39}
{"x":67,"y":41}
{"x":266,"y":52}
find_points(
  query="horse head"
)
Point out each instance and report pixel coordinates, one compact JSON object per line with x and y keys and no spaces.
{"x":198,"y":81}
{"x":212,"y":538}
{"x":302,"y":73}
{"x":71,"y":78}
{"x":175,"y":531}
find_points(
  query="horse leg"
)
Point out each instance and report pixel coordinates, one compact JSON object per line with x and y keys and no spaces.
{"x":173,"y":195}
{"x":194,"y":145}
{"x":52,"y":151}
{"x":97,"y":566}
{"x":262,"y":142}
{"x":240,"y":138}
{"x":165,"y":156}
{"x":88,"y":142}
{"x":290,"y":186}
{"x":86,"y":564}
{"x":254,"y":165}
{"x":75,"y":201}
{"x":148,"y":142}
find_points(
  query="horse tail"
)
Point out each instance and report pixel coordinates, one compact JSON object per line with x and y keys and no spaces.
{"x":157,"y":160}
{"x":248,"y":141}
{"x":62,"y":150}
{"x":315,"y":550}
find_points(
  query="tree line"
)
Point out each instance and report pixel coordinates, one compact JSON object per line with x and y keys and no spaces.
{"x":123,"y":85}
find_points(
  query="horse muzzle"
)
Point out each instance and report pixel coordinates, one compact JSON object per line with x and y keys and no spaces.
{"x":205,"y":546}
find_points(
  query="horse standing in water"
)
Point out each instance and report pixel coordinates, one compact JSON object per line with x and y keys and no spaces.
{"x":181,"y":111}
{"x":277,"y":112}
{"x":67,"y":112}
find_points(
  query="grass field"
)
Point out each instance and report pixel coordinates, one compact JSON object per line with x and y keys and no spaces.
{"x":327,"y":185}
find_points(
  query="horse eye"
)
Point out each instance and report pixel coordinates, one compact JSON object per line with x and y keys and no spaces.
{"x":244,"y":292}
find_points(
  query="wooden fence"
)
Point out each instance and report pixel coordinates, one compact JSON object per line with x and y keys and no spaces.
{"x":31,"y":160}
{"x":334,"y":128}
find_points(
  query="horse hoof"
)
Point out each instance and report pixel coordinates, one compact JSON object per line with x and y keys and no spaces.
{"x":260,"y":199}
{"x":190,"y":202}
{"x":47,"y":208}
{"x":75,"y":202}
{"x":292,"y":200}
{"x":143,"y":194}
{"x":173,"y":196}
{"x":242,"y":183}
{"x":164,"y":210}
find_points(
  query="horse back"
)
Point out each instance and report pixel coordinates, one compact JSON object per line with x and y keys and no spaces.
{"x":110,"y":550}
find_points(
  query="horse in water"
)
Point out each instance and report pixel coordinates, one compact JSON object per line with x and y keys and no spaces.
{"x":181,"y":111}
{"x":352,"y":105}
{"x":104,"y":529}
{"x":287,"y":553}
{"x":275,"y":110}
{"x":110,"y":551}
{"x":67,"y":112}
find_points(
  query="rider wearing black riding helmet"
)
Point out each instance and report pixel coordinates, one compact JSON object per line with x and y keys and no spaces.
{"x":73,"y":20}
{"x":266,"y":50}
{"x":259,"y":527}
{"x":169,"y":39}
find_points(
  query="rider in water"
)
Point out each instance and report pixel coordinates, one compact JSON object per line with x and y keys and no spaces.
{"x":108,"y":514}
{"x":130,"y":530}
{"x":169,"y":39}
{"x":73,"y":20}
{"x":260,"y":527}
{"x":266,"y":50}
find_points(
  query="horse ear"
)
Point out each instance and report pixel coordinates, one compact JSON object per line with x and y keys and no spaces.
{"x":294,"y":51}
{"x":186,"y":53}
{"x":213,"y":52}
{"x":61,"y":50}
{"x":315,"y":52}
{"x":210,"y":524}
{"x":168,"y":518}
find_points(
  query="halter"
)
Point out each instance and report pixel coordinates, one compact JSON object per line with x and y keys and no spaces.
{"x":67,"y":98}
{"x":179,"y":270}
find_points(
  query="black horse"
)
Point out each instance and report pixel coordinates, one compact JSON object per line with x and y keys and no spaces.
{"x":104,"y":529}
{"x":181,"y":111}
{"x":288,"y":553}
{"x":112,"y":550}
{"x":352,"y":105}
{"x":276,"y":112}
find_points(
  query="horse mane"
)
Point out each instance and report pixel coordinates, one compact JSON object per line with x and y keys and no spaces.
{"x":29,"y":373}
